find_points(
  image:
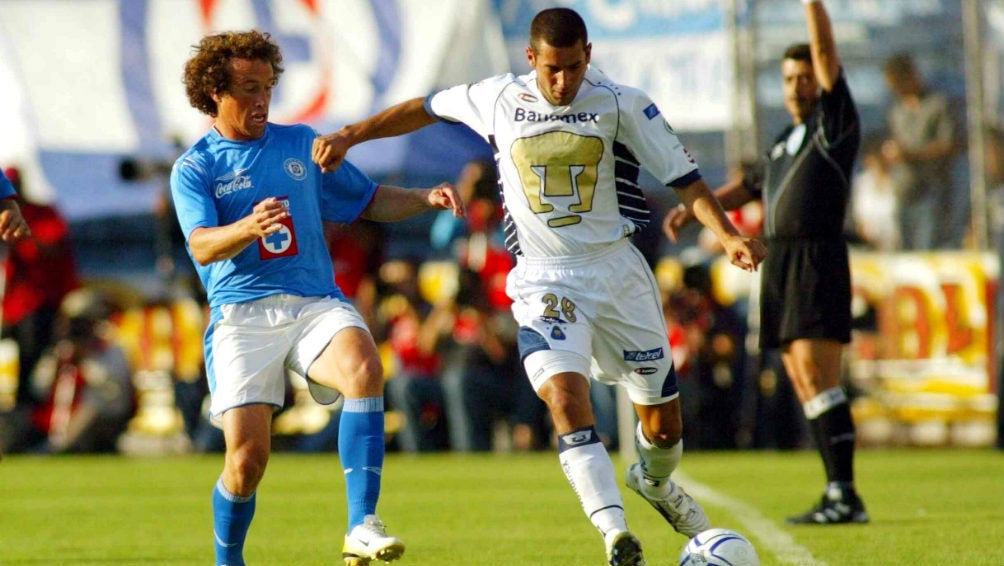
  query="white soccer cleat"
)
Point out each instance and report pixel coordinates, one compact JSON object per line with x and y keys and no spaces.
{"x":678,"y":508}
{"x":370,"y":541}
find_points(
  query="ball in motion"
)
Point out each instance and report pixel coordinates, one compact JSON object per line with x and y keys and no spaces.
{"x":719,"y":547}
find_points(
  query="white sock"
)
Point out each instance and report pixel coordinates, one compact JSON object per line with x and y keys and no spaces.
{"x":657,"y":464}
{"x":591,"y":474}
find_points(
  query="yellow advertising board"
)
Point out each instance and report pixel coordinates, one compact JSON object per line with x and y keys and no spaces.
{"x":922,"y":352}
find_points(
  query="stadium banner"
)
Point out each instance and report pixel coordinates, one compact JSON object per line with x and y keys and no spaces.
{"x":677,"y":52}
{"x":923,"y":349}
{"x":78,"y":98}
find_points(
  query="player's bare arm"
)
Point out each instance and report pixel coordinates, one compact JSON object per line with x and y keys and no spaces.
{"x":408,"y":116}
{"x":825,"y":61}
{"x":391,"y":204}
{"x":217,"y":243}
{"x":13,"y":227}
{"x":743,"y":251}
{"x":731,"y":196}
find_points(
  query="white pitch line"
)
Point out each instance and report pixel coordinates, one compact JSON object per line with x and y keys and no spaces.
{"x":771,"y":538}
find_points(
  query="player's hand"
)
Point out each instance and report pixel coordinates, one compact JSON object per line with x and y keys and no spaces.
{"x":265,"y":216}
{"x":445,"y":196}
{"x":329,"y":151}
{"x":744,"y":252}
{"x":13,"y":226}
{"x":675,"y":220}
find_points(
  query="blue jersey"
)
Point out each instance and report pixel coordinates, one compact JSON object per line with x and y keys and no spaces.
{"x":6,"y":189}
{"x":218,"y":181}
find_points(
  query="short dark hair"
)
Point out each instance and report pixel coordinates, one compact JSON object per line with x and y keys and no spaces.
{"x":900,"y":65}
{"x":558,"y":27}
{"x":798,"y":52}
{"x":207,"y":73}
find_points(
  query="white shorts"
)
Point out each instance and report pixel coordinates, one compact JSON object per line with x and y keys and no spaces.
{"x":598,"y":314}
{"x":250,"y":346}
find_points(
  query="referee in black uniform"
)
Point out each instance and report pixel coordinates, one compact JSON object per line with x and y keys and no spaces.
{"x":804,"y":183}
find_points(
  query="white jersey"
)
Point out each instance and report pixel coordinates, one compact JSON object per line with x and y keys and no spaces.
{"x":569,"y":174}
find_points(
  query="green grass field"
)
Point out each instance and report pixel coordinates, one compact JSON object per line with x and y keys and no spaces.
{"x":928,"y":507}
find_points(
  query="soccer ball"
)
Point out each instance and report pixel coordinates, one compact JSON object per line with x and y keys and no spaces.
{"x":719,"y":547}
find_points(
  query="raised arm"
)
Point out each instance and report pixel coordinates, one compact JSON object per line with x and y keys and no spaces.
{"x":825,"y":61}
{"x":408,"y":116}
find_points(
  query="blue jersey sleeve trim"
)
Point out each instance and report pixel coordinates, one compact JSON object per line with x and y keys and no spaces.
{"x":685,"y":180}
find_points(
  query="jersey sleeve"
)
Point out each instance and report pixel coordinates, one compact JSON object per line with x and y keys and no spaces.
{"x":191,"y":190}
{"x":839,"y":117}
{"x":345,"y":193}
{"x":6,"y":188}
{"x":650,"y":138}
{"x":470,"y":104}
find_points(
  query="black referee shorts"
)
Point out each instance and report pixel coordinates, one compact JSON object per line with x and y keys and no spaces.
{"x":805,"y":291}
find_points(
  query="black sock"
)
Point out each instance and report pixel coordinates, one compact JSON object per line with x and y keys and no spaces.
{"x":821,"y":445}
{"x":836,"y":440}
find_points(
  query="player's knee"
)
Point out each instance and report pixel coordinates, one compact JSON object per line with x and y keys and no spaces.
{"x":246,"y":467}
{"x":364,"y":379}
{"x":566,"y":400}
{"x":666,"y":436}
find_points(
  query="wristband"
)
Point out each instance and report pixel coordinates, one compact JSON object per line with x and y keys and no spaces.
{"x":807,"y":2}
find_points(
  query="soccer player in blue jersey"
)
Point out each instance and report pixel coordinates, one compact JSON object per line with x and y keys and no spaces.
{"x":12,"y":224}
{"x":251,"y":204}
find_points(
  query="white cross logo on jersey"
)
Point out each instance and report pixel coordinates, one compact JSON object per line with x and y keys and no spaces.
{"x":278,"y":242}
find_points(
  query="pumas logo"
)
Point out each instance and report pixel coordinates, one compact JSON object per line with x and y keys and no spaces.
{"x":295,"y":169}
{"x":232,"y":182}
{"x":557,"y":333}
{"x":527,"y":97}
{"x":577,"y":437}
{"x":281,"y":243}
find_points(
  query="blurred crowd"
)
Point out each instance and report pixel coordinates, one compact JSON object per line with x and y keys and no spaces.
{"x":90,"y":368}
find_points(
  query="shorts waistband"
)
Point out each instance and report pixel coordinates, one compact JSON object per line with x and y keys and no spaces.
{"x":283,"y":300}
{"x":578,"y":260}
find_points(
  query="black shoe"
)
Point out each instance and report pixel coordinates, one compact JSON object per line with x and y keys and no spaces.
{"x":846,"y":508}
{"x":626,"y":551}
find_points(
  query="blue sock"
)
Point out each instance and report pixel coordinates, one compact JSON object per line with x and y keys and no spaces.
{"x":361,"y":449}
{"x":232,"y":516}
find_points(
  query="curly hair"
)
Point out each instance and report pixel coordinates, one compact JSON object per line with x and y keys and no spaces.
{"x":207,"y":72}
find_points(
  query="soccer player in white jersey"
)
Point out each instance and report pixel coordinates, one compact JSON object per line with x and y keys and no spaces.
{"x":569,"y":143}
{"x":251,"y":206}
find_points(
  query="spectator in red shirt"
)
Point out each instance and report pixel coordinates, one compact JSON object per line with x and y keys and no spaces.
{"x":39,"y":272}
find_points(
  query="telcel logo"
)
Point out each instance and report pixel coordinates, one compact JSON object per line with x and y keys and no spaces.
{"x":643,"y":355}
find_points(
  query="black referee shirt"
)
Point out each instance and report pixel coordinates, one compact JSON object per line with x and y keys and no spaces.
{"x":805,"y":195}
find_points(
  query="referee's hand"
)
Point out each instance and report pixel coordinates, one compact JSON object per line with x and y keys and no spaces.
{"x":675,"y":220}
